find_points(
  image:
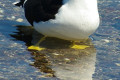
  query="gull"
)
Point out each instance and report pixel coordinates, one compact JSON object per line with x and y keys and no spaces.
{"x":73,"y":20}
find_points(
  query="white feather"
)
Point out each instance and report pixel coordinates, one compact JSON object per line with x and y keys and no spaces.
{"x":76,"y":20}
{"x":24,"y":2}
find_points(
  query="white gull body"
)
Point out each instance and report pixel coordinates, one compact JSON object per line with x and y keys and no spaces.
{"x":76,"y":20}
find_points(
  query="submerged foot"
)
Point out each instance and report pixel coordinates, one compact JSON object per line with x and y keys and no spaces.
{"x":35,"y":48}
{"x":79,"y":46}
{"x":76,"y":45}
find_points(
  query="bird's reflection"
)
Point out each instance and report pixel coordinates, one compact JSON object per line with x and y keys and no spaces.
{"x":58,"y":60}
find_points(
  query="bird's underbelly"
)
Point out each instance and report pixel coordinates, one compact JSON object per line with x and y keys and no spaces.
{"x":70,"y":24}
{"x":66,"y":31}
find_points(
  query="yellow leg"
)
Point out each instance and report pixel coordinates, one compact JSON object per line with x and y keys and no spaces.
{"x":36,"y":46}
{"x":75,"y":46}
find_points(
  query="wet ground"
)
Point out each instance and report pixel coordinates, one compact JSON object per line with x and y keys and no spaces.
{"x":101,"y":61}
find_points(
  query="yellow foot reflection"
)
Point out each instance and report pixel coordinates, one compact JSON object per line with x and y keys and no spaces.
{"x":35,"y":48}
{"x":79,"y":46}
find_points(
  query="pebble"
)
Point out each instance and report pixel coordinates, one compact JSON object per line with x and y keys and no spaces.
{"x":1,"y":11}
{"x":55,"y":54}
{"x":118,"y":64}
{"x":19,"y":20}
{"x":106,"y":40}
{"x":1,"y":16}
{"x":13,"y":17}
{"x":67,"y":59}
{"x":15,"y":3}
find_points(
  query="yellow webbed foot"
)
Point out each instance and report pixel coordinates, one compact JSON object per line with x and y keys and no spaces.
{"x":35,"y":48}
{"x":79,"y":46}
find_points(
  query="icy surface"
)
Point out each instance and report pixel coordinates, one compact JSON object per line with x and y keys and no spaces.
{"x":101,"y":62}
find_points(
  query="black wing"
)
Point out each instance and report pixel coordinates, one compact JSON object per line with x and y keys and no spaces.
{"x":41,"y":10}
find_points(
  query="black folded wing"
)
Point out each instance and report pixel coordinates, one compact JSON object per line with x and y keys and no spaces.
{"x":40,"y":10}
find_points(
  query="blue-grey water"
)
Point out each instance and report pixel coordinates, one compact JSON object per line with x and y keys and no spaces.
{"x":101,"y":61}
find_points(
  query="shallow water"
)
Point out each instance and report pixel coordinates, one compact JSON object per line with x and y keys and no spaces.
{"x":101,"y":61}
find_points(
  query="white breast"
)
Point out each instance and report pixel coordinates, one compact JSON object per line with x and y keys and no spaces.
{"x":76,"y":19}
